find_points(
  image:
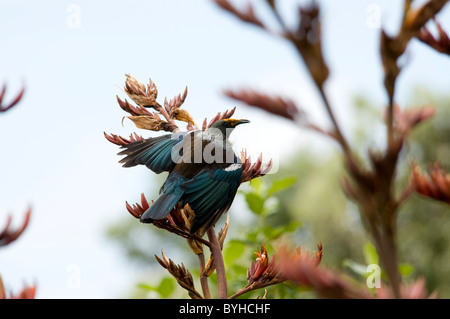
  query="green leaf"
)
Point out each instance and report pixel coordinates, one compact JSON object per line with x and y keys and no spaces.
{"x":253,"y":236}
{"x":233,"y":251}
{"x":357,"y":268}
{"x":291,"y":226}
{"x":255,"y":202}
{"x":405,"y":269}
{"x":213,"y":278}
{"x":280,"y":185}
{"x":275,"y":232}
{"x":256,"y":184}
{"x":239,"y":269}
{"x":166,"y":287}
{"x":146,"y":287}
{"x":370,"y":254}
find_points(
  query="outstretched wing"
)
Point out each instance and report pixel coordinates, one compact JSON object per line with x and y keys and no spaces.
{"x":210,"y":194}
{"x":155,"y":153}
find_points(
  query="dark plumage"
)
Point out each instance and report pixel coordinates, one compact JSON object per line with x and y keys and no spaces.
{"x":203,"y":171}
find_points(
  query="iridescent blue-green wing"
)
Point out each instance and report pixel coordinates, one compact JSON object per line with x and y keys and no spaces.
{"x":211,"y":193}
{"x":155,"y":153}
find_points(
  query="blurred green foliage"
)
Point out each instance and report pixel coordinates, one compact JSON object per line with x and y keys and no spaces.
{"x":304,"y":203}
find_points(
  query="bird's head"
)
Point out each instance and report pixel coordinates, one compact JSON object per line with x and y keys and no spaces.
{"x":226,"y":126}
{"x":228,"y":123}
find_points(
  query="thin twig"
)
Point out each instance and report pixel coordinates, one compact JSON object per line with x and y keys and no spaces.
{"x":255,"y":286}
{"x":339,"y":136}
{"x":277,"y":15}
{"x":185,"y":234}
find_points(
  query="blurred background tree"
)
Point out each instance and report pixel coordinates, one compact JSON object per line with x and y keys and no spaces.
{"x":304,"y":203}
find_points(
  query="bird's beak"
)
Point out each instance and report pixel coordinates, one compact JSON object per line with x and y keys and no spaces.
{"x":241,"y":122}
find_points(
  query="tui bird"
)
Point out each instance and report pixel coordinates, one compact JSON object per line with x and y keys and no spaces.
{"x":204,"y":171}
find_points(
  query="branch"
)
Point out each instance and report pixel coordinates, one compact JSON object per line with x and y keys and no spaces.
{"x":216,"y":253}
{"x":255,"y":286}
{"x":392,"y":48}
{"x":337,"y":130}
{"x":203,"y":277}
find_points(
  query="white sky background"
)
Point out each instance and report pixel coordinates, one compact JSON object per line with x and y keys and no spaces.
{"x":55,"y":158}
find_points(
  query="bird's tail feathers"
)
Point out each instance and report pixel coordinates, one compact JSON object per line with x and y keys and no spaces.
{"x":161,"y":207}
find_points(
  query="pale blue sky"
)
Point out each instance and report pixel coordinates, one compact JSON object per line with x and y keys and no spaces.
{"x":54,"y":155}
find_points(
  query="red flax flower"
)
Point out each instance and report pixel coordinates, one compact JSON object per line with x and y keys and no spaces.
{"x":415,"y":290}
{"x":138,"y":209}
{"x":264,"y":270}
{"x":219,"y":116}
{"x":178,"y":219}
{"x":8,"y":235}
{"x":273,"y":104}
{"x":148,"y":114}
{"x":28,"y":292}
{"x":441,"y":43}
{"x":436,"y":186}
{"x":262,"y":273}
{"x":177,"y":222}
{"x":407,"y":119}
{"x":299,"y":258}
{"x":4,"y":108}
{"x":255,"y":170}
{"x":303,"y":270}
{"x":118,"y":140}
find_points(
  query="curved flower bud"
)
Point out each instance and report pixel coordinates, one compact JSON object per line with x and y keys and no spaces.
{"x":441,"y":43}
{"x":8,"y":235}
{"x":436,"y":186}
{"x":139,"y":93}
{"x":4,"y":108}
{"x":28,"y":292}
{"x":219,"y":116}
{"x":251,"y":171}
{"x":181,"y":274}
{"x":118,"y":140}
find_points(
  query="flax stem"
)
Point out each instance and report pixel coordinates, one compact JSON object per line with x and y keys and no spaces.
{"x":203,"y":278}
{"x":216,"y":253}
